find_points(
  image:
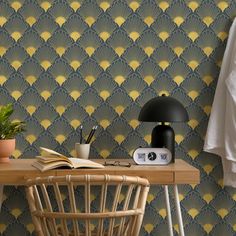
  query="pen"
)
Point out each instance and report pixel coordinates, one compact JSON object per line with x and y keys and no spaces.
{"x":81,"y":134}
{"x":95,"y":128}
{"x":91,"y":134}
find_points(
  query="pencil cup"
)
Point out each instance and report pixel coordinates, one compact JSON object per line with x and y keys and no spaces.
{"x":82,"y":150}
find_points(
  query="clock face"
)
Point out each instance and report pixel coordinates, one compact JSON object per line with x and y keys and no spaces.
{"x":152,"y":156}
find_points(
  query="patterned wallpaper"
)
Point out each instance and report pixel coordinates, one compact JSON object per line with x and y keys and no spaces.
{"x":67,"y":63}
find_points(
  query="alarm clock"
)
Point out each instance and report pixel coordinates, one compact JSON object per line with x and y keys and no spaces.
{"x":152,"y":156}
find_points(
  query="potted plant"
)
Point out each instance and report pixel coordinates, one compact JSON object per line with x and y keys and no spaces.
{"x":8,"y":131}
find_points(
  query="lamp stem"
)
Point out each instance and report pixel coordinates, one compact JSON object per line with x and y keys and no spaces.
{"x":163,"y":136}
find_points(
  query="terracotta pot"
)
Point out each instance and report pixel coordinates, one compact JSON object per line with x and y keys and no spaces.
{"x":6,"y":149}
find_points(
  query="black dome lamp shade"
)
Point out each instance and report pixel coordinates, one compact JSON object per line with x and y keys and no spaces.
{"x":163,"y":109}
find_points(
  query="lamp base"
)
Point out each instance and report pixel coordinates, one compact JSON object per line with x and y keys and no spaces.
{"x":163,"y":136}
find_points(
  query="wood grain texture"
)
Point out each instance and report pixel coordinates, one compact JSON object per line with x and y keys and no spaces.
{"x":180,"y":172}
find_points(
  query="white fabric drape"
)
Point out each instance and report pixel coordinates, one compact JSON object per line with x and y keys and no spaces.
{"x":221,"y":132}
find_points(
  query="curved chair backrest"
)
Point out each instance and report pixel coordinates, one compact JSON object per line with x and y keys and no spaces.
{"x":87,"y":205}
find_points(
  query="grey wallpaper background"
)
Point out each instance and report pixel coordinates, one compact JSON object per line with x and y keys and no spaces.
{"x":67,"y":63}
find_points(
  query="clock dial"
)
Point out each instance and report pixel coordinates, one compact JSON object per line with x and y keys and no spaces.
{"x":152,"y":156}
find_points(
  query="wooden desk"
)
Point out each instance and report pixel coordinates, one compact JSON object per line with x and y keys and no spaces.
{"x":17,"y":171}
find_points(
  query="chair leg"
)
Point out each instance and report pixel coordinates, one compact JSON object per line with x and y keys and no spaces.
{"x":178,"y":210}
{"x":30,"y":198}
{"x":168,"y":211}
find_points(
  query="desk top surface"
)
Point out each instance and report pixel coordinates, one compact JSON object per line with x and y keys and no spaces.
{"x":17,"y":171}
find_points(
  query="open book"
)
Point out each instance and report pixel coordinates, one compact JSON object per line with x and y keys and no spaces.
{"x":50,"y":159}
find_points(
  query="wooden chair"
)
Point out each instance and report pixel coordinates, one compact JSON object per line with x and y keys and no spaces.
{"x":87,"y":205}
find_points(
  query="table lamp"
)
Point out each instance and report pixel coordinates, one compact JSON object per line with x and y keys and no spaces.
{"x":163,"y":109}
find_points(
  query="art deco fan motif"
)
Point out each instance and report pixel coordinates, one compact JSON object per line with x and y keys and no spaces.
{"x":64,"y":63}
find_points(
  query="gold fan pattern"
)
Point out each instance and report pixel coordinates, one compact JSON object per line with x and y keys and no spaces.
{"x":64,"y":63}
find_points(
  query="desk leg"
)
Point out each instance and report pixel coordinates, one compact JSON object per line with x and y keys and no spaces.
{"x":168,"y":211}
{"x":1,"y":195}
{"x":178,"y":209}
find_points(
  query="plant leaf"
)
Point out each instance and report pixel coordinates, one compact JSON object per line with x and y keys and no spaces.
{"x":9,"y":129}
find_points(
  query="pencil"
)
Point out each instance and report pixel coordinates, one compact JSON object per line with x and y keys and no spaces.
{"x":91,"y":134}
{"x":87,"y":141}
{"x":81,"y":134}
{"x":94,"y":130}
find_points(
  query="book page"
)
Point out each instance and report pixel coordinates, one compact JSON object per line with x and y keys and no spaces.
{"x":50,"y":159}
{"x":48,"y":153}
{"x":43,"y":167}
{"x":79,"y":163}
{"x":47,"y":160}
